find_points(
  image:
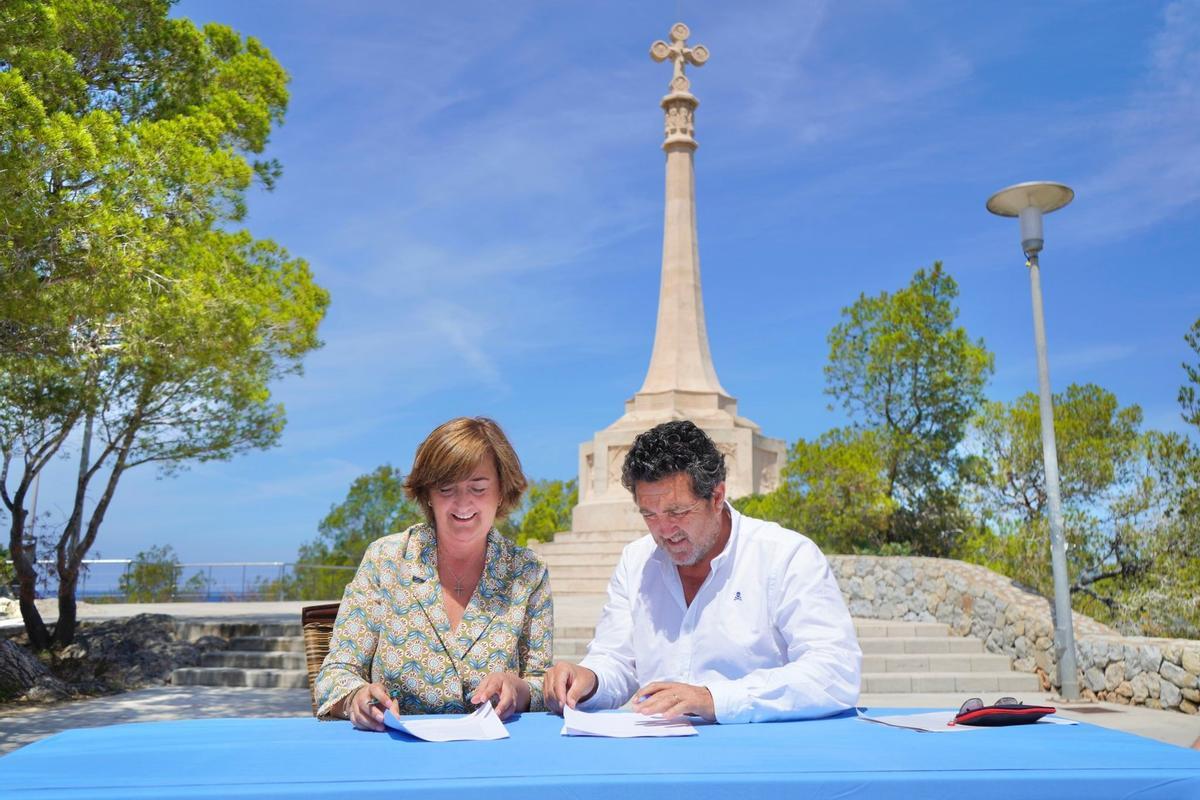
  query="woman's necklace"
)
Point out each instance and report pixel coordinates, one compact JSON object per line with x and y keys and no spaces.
{"x":458,"y":581}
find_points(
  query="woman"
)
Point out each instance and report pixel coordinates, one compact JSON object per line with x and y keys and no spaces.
{"x":449,"y":613}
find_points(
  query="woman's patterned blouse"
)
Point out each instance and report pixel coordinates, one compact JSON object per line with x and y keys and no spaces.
{"x":392,"y":626}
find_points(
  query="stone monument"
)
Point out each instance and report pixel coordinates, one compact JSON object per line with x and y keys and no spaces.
{"x":681,"y":382}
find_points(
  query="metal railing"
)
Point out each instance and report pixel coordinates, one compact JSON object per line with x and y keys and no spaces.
{"x":117,"y":579}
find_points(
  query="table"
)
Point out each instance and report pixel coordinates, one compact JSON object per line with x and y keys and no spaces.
{"x":840,"y":757}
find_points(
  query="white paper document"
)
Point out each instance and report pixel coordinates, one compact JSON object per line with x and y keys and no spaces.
{"x":622,"y":725}
{"x":939,"y":722}
{"x":479,"y":725}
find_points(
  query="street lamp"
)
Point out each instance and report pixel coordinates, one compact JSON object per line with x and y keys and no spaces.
{"x":1029,"y":201}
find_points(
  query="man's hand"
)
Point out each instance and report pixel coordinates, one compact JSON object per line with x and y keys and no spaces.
{"x":567,"y":684}
{"x":362,"y":713}
{"x":509,"y":693}
{"x":675,"y":700}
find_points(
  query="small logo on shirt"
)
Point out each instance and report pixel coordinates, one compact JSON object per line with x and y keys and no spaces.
{"x":737,"y":596}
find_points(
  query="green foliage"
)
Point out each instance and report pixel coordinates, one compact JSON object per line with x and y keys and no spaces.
{"x":153,"y":577}
{"x":1132,"y":543}
{"x":545,"y":510}
{"x":833,"y":490}
{"x":900,"y":366}
{"x":1096,"y":443}
{"x":374,"y":507}
{"x":134,"y":310}
{"x":1189,"y":393}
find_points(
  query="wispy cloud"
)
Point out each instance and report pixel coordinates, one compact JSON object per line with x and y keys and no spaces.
{"x":804,"y":77}
{"x":1153,"y":169}
{"x":1068,"y":364}
{"x":325,"y":477}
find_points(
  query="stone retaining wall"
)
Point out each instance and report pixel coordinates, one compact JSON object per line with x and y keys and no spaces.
{"x":974,"y":601}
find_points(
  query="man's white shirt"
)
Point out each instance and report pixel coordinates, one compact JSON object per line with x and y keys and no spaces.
{"x":767,"y":633}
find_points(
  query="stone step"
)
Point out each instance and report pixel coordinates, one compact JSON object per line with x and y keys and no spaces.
{"x":287,"y":644}
{"x":565,"y":632}
{"x":590,"y":571}
{"x":878,"y":629}
{"x":578,"y":610}
{"x":226,"y":676}
{"x":572,"y":586}
{"x":253,"y":659}
{"x":191,"y":631}
{"x":593,"y":536}
{"x":548,"y":549}
{"x":936,"y":662}
{"x":570,"y":648}
{"x":570,"y":659}
{"x":928,"y":644}
{"x":555,"y":561}
{"x":899,"y":683}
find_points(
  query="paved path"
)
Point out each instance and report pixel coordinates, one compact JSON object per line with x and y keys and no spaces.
{"x":20,"y":726}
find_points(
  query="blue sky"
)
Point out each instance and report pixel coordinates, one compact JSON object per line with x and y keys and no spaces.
{"x":479,"y":185}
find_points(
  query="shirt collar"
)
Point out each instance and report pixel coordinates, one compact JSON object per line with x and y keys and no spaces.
{"x":735,"y":520}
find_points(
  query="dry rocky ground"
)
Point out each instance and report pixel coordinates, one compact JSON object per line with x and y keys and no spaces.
{"x":105,"y":658}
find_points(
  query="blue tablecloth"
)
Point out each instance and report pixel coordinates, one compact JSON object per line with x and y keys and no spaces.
{"x":841,"y":757}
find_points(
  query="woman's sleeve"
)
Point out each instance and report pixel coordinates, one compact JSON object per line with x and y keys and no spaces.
{"x":352,"y":645}
{"x":535,"y":648}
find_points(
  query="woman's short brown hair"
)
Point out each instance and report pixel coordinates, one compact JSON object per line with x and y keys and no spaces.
{"x":454,"y":449}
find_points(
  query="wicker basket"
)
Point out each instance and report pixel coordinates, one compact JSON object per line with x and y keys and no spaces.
{"x":317,"y":622}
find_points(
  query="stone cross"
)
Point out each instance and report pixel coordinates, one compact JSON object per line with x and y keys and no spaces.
{"x":679,"y":53}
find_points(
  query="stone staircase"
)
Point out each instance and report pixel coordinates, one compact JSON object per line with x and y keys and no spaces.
{"x":925,"y":658}
{"x":898,"y":657}
{"x":581,"y":563}
{"x":265,"y":655}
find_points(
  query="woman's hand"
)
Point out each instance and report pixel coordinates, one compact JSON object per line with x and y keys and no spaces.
{"x":362,"y":714}
{"x":509,"y":693}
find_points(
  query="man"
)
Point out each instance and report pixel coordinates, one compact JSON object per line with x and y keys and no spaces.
{"x":714,"y":614}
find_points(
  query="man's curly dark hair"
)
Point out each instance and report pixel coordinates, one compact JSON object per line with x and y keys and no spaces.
{"x":677,"y":446}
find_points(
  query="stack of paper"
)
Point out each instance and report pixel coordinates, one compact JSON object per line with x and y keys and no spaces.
{"x":477,"y":726}
{"x":623,"y":724}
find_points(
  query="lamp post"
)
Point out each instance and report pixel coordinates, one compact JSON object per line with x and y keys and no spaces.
{"x":1029,"y":201}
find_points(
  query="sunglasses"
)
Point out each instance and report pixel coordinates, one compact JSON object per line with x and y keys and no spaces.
{"x":1006,"y":711}
{"x":974,"y":704}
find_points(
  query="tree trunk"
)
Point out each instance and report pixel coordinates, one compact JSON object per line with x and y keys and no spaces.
{"x":24,"y":561}
{"x":71,"y":557}
{"x":20,"y":672}
{"x":23,"y":566}
{"x":68,"y":610}
{"x":69,"y":552}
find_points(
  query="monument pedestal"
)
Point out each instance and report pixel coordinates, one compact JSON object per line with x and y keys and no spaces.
{"x":752,"y":461}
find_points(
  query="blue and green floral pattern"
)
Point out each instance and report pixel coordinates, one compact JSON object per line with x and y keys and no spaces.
{"x":392,"y":626}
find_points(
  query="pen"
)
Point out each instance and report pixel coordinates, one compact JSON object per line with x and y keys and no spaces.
{"x":375,"y":701}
